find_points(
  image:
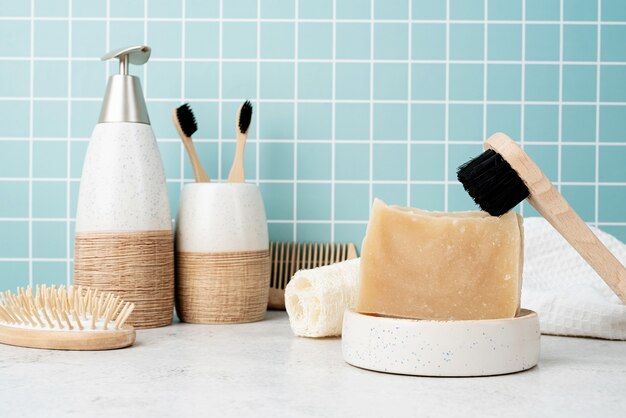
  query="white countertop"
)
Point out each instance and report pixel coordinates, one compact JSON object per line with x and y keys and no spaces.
{"x":261,"y":369}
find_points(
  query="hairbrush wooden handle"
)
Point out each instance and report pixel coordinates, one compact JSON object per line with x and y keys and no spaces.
{"x":555,"y":209}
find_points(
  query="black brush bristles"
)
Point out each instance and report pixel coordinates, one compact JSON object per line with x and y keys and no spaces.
{"x":245,"y":117}
{"x":186,"y":119}
{"x":493,"y":184}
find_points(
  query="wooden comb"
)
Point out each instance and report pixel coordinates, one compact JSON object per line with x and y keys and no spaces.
{"x":289,"y":257}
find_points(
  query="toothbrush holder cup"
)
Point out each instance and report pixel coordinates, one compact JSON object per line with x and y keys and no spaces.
{"x":222,"y":254}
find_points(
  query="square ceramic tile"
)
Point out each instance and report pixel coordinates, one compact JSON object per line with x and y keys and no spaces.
{"x":465,"y":122}
{"x":278,"y":199}
{"x":391,"y":41}
{"x":352,"y":161}
{"x":390,"y":81}
{"x":314,"y":121}
{"x":277,"y":40}
{"x":427,"y":122}
{"x":467,"y":41}
{"x":428,"y":41}
{"x":277,"y":80}
{"x":315,"y":40}
{"x":315,"y":80}
{"x":390,"y":122}
{"x":314,"y":201}
{"x":541,"y":123}
{"x":427,"y":162}
{"x":314,"y":161}
{"x":542,"y":42}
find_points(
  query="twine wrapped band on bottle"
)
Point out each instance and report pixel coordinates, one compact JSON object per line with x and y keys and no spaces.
{"x":229,"y":287}
{"x":137,"y":266}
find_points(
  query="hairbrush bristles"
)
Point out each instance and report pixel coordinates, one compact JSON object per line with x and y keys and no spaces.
{"x":492,"y":183}
{"x":245,"y":116}
{"x":63,"y":309}
{"x":186,"y":119}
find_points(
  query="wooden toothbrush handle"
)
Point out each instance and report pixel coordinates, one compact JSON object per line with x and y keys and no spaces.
{"x":198,"y":171}
{"x":236,"y":171}
{"x":555,"y":209}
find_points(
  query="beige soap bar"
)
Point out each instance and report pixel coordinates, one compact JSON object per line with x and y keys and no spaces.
{"x":444,"y":266}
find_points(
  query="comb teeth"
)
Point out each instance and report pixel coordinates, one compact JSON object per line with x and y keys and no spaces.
{"x":245,"y":117}
{"x":63,"y":309}
{"x":493,"y":184}
{"x":186,"y":119}
{"x":289,"y":257}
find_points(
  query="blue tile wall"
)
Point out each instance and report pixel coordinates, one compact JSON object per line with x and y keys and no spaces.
{"x":354,"y":99}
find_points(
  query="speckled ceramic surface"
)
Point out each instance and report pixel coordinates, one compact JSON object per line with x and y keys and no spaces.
{"x":441,"y":348}
{"x":123,"y":186}
{"x":221,"y":217}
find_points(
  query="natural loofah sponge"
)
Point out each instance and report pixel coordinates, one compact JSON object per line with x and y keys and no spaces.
{"x":316,"y":299}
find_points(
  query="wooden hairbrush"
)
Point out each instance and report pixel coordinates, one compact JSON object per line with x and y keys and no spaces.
{"x":65,"y":319}
{"x":504,"y":175}
{"x":289,"y":257}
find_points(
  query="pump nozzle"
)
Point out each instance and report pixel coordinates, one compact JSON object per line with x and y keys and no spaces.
{"x":136,"y":55}
{"x":123,"y":100}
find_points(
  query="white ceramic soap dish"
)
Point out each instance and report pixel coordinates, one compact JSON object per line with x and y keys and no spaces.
{"x":441,"y":348}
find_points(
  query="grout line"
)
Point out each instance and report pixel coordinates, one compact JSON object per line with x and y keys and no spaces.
{"x":560,"y":108}
{"x":409,"y":110}
{"x":326,"y":141}
{"x":291,"y":20}
{"x":523,"y":91}
{"x":257,"y":90}
{"x":333,"y":123}
{"x":485,"y":69}
{"x":317,"y":181}
{"x":326,"y":60}
{"x":183,"y":53}
{"x":145,"y":42}
{"x":371,"y":108}
{"x":68,"y":236}
{"x":107,"y":40}
{"x":295,"y":126}
{"x":322,"y":181}
{"x":31,"y":143}
{"x":446,"y":145}
{"x":347,"y":101}
{"x":220,"y":71}
{"x":597,"y":132}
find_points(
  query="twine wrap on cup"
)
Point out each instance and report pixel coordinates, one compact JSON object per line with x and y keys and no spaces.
{"x":222,"y":254}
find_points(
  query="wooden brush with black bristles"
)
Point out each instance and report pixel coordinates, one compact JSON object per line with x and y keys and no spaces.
{"x":289,"y":257}
{"x":244,"y":117}
{"x":186,"y":126}
{"x":504,"y":175}
{"x":65,"y":319}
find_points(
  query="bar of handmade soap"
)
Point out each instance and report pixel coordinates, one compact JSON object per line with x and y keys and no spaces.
{"x":444,"y":266}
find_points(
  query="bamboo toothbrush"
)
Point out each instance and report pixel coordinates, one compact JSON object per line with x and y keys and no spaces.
{"x":244,"y":116}
{"x":504,"y":175}
{"x":65,"y":319}
{"x":289,"y":257}
{"x":185,"y":123}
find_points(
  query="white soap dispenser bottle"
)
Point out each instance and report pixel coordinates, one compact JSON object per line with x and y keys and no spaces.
{"x":124,"y":240}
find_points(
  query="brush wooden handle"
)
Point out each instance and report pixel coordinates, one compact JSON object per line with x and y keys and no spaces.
{"x":198,"y":171}
{"x":236,"y":171}
{"x":555,"y":209}
{"x":68,"y":340}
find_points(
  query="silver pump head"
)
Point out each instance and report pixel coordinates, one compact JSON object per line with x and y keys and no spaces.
{"x":123,"y":100}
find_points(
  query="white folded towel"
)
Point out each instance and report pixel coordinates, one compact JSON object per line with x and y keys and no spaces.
{"x":568,"y":295}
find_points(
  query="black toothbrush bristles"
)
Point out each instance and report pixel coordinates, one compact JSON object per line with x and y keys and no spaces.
{"x":245,"y":117}
{"x":186,"y":119}
{"x":492,"y":183}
